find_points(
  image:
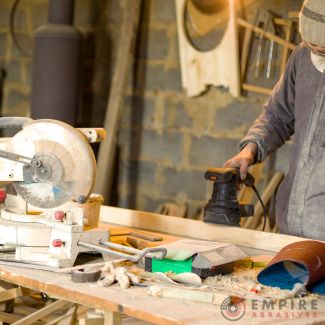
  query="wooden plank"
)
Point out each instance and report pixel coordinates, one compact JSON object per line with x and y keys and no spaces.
{"x":196,"y":229}
{"x":42,"y":313}
{"x":293,"y":14}
{"x":257,"y":89}
{"x":285,"y":50}
{"x":246,"y":194}
{"x":269,"y":192}
{"x":8,"y":317}
{"x":106,"y":155}
{"x":245,"y":51}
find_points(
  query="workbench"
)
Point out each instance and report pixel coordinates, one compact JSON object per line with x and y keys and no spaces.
{"x":136,"y":302}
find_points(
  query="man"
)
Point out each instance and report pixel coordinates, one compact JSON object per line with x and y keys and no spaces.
{"x":296,"y":107}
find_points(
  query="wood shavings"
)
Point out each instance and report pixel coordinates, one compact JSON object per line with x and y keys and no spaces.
{"x":242,"y":281}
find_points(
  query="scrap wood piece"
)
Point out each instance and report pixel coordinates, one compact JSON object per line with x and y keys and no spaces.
{"x":197,"y":295}
{"x":139,"y":243}
{"x":285,"y":51}
{"x":257,"y":89}
{"x":107,"y":149}
{"x":254,"y":261}
{"x":266,"y":196}
{"x":293,"y":14}
{"x":245,"y":52}
{"x":174,"y":209}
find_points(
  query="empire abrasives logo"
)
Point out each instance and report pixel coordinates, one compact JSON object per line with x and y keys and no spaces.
{"x":232,"y":310}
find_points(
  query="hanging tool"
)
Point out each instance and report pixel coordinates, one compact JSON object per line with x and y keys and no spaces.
{"x":269,"y":62}
{"x":265,"y":22}
{"x":271,"y":29}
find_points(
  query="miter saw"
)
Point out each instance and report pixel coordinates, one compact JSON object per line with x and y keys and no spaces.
{"x":52,"y":168}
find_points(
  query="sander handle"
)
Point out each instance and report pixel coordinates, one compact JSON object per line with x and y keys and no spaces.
{"x":222,"y":175}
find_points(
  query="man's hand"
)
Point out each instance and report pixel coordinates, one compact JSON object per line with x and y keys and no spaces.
{"x":243,"y":160}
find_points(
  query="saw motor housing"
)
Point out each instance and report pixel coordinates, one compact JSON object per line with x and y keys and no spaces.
{"x":50,"y":162}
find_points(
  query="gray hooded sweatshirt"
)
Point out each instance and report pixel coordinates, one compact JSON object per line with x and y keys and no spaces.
{"x":297,"y":107}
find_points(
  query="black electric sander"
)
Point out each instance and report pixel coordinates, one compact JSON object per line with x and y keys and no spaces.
{"x":223,"y":207}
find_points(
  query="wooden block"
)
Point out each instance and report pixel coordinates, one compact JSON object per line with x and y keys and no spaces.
{"x":13,"y":293}
{"x":138,"y":243}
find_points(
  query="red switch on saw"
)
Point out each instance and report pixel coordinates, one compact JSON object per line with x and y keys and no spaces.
{"x":3,"y":196}
{"x":59,"y":215}
{"x":57,"y":243}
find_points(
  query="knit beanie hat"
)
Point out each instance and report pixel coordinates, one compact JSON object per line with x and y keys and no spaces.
{"x":312,"y":22}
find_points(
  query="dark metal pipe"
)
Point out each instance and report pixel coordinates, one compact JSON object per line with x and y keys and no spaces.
{"x":61,"y":12}
{"x":56,"y":66}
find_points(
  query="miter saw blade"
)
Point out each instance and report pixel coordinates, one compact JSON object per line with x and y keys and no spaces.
{"x":67,"y":165}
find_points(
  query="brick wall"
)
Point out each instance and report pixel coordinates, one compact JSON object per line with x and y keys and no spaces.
{"x":167,"y":140}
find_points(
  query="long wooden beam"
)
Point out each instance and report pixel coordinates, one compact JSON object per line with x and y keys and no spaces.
{"x":196,"y":229}
{"x":107,"y":149}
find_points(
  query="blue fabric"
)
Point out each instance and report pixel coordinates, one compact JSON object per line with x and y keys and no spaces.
{"x":284,"y":275}
{"x":318,"y":287}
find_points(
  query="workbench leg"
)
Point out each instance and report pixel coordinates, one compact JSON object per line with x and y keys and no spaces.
{"x":9,"y":308}
{"x":112,"y":318}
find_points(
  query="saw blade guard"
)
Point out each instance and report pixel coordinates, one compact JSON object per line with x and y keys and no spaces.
{"x":67,"y":168}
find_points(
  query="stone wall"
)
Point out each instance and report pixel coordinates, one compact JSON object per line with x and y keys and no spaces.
{"x":167,"y":140}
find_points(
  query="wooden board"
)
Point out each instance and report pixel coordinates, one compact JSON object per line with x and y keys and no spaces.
{"x":196,"y":229}
{"x":106,"y":155}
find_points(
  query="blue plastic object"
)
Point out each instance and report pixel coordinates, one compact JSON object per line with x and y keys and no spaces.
{"x":284,"y":275}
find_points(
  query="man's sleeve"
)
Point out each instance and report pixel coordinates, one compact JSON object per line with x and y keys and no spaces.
{"x":276,"y":124}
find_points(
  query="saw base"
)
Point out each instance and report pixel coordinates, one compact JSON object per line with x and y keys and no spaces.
{"x":42,"y":239}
